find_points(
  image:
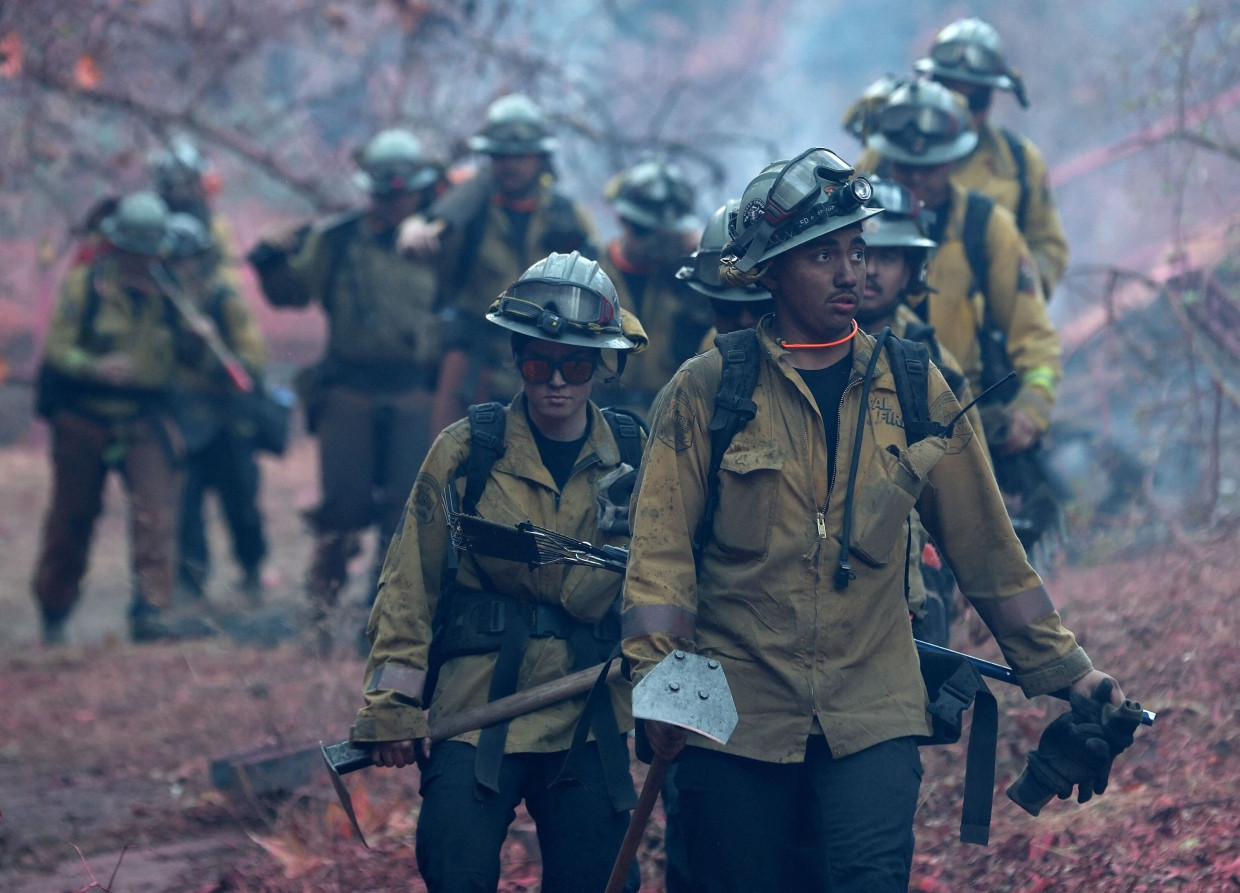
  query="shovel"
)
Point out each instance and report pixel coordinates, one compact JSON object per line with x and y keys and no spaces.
{"x":342,"y":758}
{"x":686,"y":690}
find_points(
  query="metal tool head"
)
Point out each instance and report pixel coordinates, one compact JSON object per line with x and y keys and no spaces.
{"x":690,"y":691}
{"x":342,"y":794}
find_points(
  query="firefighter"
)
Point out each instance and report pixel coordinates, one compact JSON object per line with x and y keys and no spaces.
{"x":923,"y":131}
{"x":482,"y":235}
{"x":967,"y":57}
{"x":795,"y":584}
{"x":368,"y":400}
{"x":486,"y":628}
{"x":105,"y":387}
{"x":985,"y":300}
{"x":216,"y":420}
{"x":653,"y":202}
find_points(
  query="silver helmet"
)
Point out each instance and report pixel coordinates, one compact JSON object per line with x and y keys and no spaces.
{"x":565,"y":298}
{"x":138,"y":225}
{"x":969,"y":50}
{"x":514,"y":126}
{"x":393,"y":162}
{"x":702,"y":270}
{"x":923,"y":123}
{"x":793,"y":202}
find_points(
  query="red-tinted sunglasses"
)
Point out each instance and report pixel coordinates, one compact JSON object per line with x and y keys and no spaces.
{"x":574,"y":369}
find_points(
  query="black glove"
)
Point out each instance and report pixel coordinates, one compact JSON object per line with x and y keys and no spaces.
{"x":615,"y":491}
{"x":1077,"y":750}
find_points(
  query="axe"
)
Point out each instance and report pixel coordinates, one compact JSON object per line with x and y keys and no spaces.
{"x":686,"y":690}
{"x":342,"y":758}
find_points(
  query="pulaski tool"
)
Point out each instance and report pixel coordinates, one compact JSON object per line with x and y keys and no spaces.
{"x":686,"y":690}
{"x":342,"y":758}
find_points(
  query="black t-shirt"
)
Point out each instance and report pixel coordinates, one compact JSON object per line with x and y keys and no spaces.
{"x":558,"y":456}
{"x":827,"y":385}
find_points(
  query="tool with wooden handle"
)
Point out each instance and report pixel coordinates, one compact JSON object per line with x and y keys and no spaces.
{"x":342,"y":758}
{"x":686,"y":690}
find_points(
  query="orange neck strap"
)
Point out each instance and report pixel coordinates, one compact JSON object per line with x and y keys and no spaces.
{"x":844,"y":340}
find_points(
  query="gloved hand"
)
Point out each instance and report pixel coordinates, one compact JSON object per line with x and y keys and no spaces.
{"x":615,"y":490}
{"x":1077,"y":750}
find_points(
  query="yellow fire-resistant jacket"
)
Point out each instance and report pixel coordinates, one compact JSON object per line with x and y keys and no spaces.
{"x":380,"y":304}
{"x":797,"y":652}
{"x":957,"y":307}
{"x":991,"y":169}
{"x":137,"y":321}
{"x":519,"y":488}
{"x":674,"y":317}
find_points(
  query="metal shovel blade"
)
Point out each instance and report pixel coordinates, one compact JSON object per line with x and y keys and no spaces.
{"x":690,"y":691}
{"x":342,"y":793}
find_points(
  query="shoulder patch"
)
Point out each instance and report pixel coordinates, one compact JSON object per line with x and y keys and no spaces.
{"x":1025,"y":276}
{"x":425,"y":499}
{"x":677,"y":425}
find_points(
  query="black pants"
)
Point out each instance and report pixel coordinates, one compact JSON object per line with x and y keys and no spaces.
{"x":844,"y":826}
{"x":462,"y":826}
{"x":227,"y":465}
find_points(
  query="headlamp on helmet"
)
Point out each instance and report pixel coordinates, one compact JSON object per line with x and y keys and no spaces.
{"x":809,"y":196}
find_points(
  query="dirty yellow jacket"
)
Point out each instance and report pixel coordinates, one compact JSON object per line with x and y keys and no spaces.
{"x":800,"y":655}
{"x":137,"y":321}
{"x":380,"y":304}
{"x":957,"y":308}
{"x":520,"y":488}
{"x":991,"y":169}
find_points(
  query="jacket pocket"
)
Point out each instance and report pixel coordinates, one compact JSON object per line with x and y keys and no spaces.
{"x":748,"y":480}
{"x":882,"y":507}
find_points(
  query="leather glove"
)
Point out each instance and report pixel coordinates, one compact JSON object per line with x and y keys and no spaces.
{"x":615,"y":491}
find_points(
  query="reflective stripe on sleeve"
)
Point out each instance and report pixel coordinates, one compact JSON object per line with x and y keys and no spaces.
{"x":642,"y":620}
{"x":1041,"y":377}
{"x":405,"y":680}
{"x":1008,"y":615}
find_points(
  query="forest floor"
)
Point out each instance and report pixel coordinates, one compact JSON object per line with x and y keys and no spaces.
{"x":107,"y":749}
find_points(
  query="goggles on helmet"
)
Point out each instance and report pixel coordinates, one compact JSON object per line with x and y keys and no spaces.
{"x":575,"y":368}
{"x":840,"y":201}
{"x":796,"y":202}
{"x":800,"y":181}
{"x":922,"y":120}
{"x":975,"y":57}
{"x":554,"y":307}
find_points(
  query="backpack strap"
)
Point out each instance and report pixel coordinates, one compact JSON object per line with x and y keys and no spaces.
{"x":1017,"y":147}
{"x":627,"y":428}
{"x":487,"y":422}
{"x":925,"y":333}
{"x":734,"y":408}
{"x":910,"y":366}
{"x":977,"y":211}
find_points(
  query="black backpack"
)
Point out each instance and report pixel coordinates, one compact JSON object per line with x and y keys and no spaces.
{"x":953,"y":684}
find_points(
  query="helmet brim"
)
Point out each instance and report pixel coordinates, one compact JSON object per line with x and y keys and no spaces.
{"x":606,"y":342}
{"x":934,"y":69}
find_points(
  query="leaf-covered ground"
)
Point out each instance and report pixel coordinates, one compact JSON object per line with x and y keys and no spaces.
{"x":106,"y":748}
